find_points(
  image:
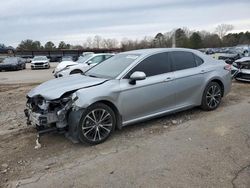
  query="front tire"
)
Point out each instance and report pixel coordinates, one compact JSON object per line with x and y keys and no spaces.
{"x":212,"y":95}
{"x":97,"y":124}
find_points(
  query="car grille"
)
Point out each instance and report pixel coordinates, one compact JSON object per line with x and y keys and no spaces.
{"x":39,"y":63}
{"x":245,"y":67}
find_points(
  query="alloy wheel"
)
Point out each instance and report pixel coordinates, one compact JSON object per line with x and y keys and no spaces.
{"x":97,"y":125}
{"x":213,"y":96}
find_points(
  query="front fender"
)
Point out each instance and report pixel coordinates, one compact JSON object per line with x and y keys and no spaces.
{"x":108,"y":91}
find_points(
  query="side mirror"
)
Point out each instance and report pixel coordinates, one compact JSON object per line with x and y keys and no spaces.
{"x":89,"y":62}
{"x":137,"y":76}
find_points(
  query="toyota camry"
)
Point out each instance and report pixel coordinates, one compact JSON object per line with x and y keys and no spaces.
{"x":128,"y":88}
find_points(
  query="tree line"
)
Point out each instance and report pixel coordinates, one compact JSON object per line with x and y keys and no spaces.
{"x":181,"y":37}
{"x":185,"y":38}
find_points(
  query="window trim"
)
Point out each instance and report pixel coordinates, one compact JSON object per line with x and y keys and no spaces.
{"x":198,"y":57}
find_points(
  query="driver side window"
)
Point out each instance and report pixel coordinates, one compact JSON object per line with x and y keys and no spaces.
{"x":153,"y":65}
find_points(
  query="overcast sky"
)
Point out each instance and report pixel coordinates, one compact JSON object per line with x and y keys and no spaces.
{"x":74,"y":20}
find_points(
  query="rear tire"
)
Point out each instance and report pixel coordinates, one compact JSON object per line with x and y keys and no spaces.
{"x":97,"y":123}
{"x":212,"y":95}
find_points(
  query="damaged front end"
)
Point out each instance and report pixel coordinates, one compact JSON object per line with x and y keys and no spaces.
{"x":52,"y":115}
{"x":243,"y":73}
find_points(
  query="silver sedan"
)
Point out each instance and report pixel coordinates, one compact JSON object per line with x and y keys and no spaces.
{"x":130,"y":87}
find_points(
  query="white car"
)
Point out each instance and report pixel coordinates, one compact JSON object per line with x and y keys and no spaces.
{"x":40,"y":62}
{"x":84,"y":63}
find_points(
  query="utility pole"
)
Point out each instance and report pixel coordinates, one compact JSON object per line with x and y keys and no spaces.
{"x":174,"y":40}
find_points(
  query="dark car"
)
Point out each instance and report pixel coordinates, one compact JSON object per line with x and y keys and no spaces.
{"x":12,"y":63}
{"x":229,"y":58}
{"x":67,"y":58}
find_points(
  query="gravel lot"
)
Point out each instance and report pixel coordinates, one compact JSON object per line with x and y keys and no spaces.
{"x":27,"y":75}
{"x":187,"y":149}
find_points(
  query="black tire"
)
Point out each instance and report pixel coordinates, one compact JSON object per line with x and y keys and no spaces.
{"x":95,"y":129}
{"x":77,"y":71}
{"x":212,"y":95}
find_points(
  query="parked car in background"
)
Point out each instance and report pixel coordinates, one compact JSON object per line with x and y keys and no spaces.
{"x":81,"y":65}
{"x":229,"y":58}
{"x":12,"y":63}
{"x":40,"y":62}
{"x":87,"y":53}
{"x":67,"y":58}
{"x":130,"y":87}
{"x":242,"y":69}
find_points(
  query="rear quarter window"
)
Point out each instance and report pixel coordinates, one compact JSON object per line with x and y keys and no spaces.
{"x":198,"y":60}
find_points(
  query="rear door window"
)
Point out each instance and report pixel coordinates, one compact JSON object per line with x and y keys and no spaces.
{"x":183,"y":60}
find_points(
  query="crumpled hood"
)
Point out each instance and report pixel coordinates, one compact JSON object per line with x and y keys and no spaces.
{"x":63,"y":64}
{"x":55,"y":88}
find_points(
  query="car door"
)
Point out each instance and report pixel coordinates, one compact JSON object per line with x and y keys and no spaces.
{"x":151,"y":96}
{"x":189,"y":78}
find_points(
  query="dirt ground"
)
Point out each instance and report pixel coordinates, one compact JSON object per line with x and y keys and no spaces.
{"x":188,"y":149}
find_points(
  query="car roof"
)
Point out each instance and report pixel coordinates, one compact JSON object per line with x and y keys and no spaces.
{"x":102,"y":54}
{"x":149,"y":51}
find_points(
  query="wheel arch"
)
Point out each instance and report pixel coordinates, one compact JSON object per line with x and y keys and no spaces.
{"x":115,"y":109}
{"x":218,"y":81}
{"x":76,"y":70}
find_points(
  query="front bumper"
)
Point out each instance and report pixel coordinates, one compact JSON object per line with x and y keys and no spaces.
{"x":8,"y":67}
{"x":40,"y":120}
{"x":62,"y":121}
{"x":62,"y":73}
{"x":40,"y":66}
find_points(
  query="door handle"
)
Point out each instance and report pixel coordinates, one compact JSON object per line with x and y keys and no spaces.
{"x":168,"y":79}
{"x":203,"y":71}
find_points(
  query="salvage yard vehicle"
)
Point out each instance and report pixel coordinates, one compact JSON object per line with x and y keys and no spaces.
{"x":229,"y":58}
{"x":12,"y":63}
{"x":40,"y":62}
{"x":242,"y":72}
{"x":83,"y":64}
{"x":127,"y":88}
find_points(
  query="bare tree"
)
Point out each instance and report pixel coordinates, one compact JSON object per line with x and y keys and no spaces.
{"x":89,"y":42}
{"x":222,"y":29}
{"x":109,"y":43}
{"x":97,"y":41}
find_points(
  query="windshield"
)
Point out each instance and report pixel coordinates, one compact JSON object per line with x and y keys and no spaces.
{"x":113,"y":66}
{"x":10,"y":60}
{"x":39,"y":58}
{"x":82,"y":59}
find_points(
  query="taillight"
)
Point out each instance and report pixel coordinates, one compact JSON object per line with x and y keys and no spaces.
{"x":228,"y":67}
